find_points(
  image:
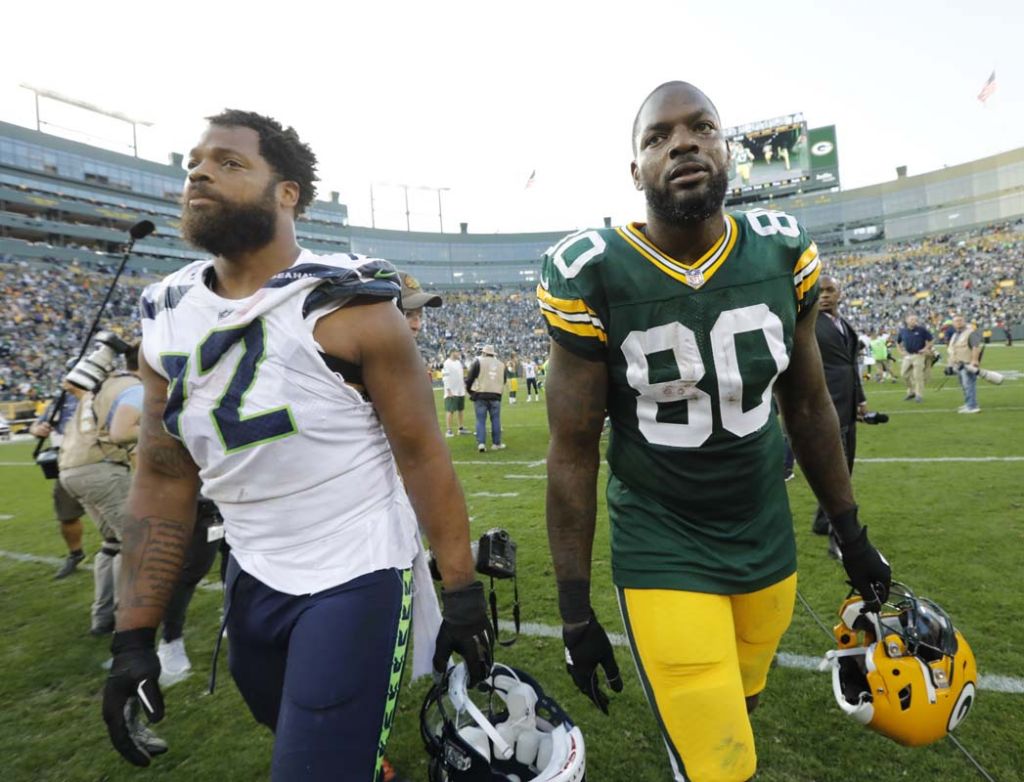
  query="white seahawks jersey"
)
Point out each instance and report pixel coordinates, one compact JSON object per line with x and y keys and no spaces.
{"x":295,"y":458}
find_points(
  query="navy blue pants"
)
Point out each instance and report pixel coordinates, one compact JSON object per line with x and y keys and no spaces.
{"x":322,"y":671}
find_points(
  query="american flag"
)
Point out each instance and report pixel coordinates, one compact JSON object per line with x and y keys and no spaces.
{"x":988,"y":89}
{"x":529,"y":182}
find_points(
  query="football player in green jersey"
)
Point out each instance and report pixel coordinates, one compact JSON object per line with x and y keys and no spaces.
{"x":688,"y":330}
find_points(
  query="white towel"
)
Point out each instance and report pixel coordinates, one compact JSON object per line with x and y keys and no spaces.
{"x":426,"y":616}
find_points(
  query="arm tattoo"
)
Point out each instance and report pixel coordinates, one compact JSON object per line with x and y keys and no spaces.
{"x":157,"y":450}
{"x":154,"y":554}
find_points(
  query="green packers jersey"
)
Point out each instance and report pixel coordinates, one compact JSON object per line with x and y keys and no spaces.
{"x":696,"y":495}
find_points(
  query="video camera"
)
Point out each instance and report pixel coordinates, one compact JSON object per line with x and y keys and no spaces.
{"x":89,"y":373}
{"x":494,"y":555}
{"x":988,"y":375}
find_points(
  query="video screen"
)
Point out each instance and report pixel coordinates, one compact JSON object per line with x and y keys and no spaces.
{"x":768,"y":158}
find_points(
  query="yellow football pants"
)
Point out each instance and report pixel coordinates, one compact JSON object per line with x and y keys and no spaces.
{"x":699,"y":655}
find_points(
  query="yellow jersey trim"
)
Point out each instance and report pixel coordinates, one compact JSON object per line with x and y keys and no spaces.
{"x":579,"y":328}
{"x":693,"y":274}
{"x":806,"y":271}
{"x":563,"y":305}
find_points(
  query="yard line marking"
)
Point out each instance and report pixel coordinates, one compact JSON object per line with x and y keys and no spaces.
{"x":495,"y":494}
{"x":516,"y":477}
{"x":17,"y":556}
{"x":992,"y":682}
{"x":17,"y":464}
{"x":5,"y":517}
{"x":947,"y":410}
{"x":496,"y":463}
{"x":803,"y":662}
{"x":538,"y":463}
{"x":912,"y":459}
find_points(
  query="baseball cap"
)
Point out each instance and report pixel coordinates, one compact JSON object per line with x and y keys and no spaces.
{"x":413,"y":296}
{"x":487,"y":350}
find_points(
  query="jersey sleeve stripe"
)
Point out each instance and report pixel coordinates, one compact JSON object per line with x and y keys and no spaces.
{"x":580,"y":329}
{"x":811,"y":268}
{"x":562,"y":305}
{"x":807,"y":257}
{"x":807,"y":281}
{"x":575,"y":317}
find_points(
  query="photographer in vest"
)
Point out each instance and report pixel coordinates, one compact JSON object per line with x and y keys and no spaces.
{"x":486,"y":381}
{"x":95,"y":456}
{"x":964,"y":358}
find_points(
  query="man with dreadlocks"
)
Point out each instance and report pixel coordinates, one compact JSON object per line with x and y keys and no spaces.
{"x":290,"y":385}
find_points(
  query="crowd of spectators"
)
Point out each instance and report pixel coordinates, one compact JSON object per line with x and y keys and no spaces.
{"x":46,"y":308}
{"x":977,"y":274}
{"x":507,"y":318}
{"x":45,"y":312}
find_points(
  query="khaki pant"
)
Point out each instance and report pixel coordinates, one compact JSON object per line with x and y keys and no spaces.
{"x":913,"y":373}
{"x":102,"y":489}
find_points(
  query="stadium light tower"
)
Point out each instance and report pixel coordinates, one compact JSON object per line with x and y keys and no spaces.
{"x":408,"y":213}
{"x":40,"y":92}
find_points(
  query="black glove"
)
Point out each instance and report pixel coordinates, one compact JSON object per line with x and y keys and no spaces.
{"x":134,"y":673}
{"x":868,"y":570}
{"x":465,"y":629}
{"x":586,"y":647}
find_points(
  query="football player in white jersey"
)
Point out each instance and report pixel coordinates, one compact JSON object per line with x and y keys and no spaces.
{"x":290,"y":385}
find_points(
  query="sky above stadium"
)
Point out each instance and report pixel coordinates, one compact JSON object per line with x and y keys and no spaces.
{"x":474,"y":97}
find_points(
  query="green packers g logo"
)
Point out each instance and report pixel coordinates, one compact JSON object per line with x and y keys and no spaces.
{"x":820,"y":148}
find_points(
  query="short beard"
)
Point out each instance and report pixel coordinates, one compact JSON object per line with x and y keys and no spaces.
{"x":694,"y":207}
{"x":230,"y":229}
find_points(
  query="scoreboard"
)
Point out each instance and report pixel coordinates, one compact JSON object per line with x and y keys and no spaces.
{"x":778,"y":157}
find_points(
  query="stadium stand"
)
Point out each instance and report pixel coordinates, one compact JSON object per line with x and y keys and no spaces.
{"x":65,"y":208}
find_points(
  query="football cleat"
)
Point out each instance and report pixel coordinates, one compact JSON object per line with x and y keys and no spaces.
{"x":905,"y":672}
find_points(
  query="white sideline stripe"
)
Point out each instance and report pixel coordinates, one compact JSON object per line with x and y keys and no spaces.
{"x":517,"y":477}
{"x":495,"y":494}
{"x":5,"y":517}
{"x":17,"y":464}
{"x":993,"y":682}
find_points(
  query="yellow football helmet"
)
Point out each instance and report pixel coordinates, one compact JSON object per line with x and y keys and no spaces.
{"x":904,"y":672}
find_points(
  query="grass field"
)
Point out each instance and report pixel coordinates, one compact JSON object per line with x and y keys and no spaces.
{"x":953,"y":530}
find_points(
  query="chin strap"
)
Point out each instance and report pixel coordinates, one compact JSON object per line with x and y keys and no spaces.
{"x":975,"y":763}
{"x":956,"y":742}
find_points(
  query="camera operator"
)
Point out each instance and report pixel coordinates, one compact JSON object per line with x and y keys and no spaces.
{"x":94,"y":457}
{"x":964,"y":359}
{"x":67,"y":509}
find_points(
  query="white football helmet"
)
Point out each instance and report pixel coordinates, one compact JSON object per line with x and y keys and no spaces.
{"x":518,"y":735}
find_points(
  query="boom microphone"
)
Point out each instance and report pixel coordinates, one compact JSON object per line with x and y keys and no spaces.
{"x":141,"y":229}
